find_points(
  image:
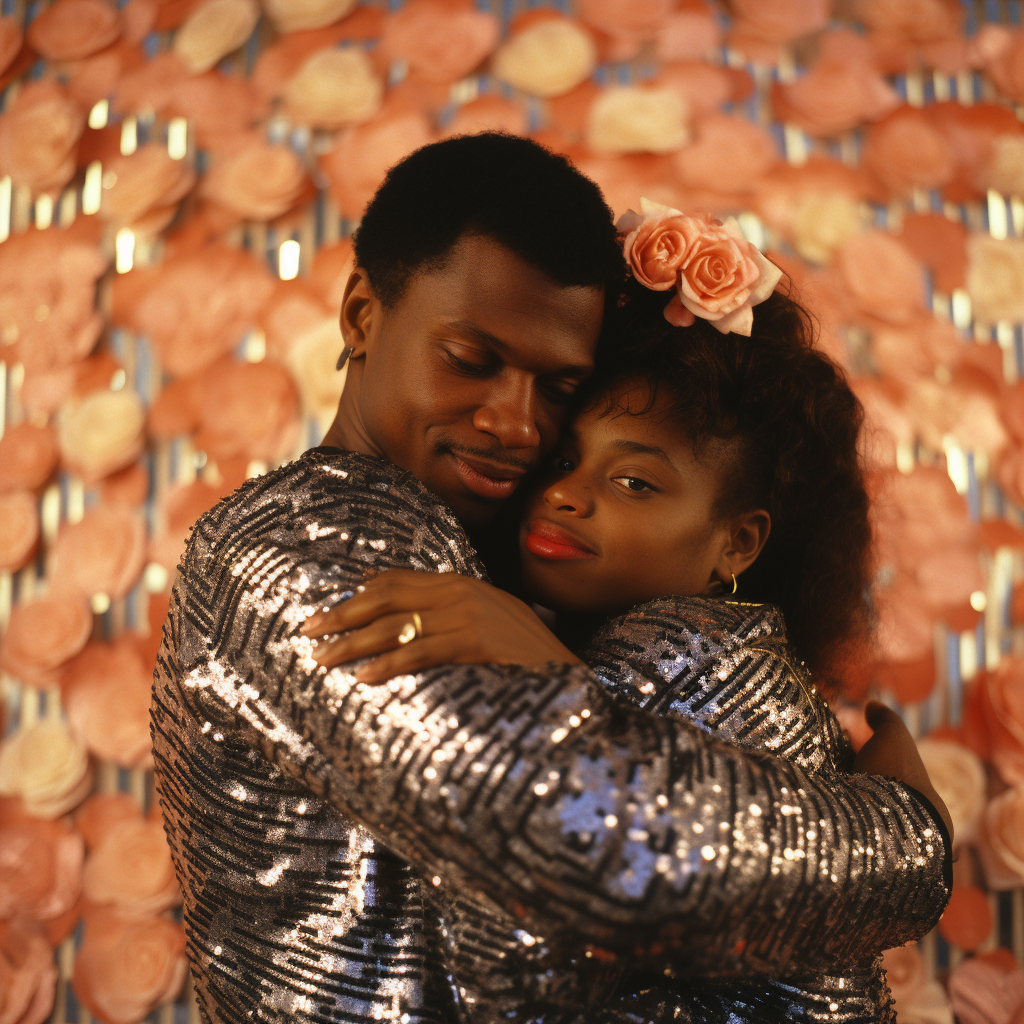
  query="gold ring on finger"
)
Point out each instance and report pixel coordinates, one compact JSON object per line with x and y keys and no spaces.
{"x":411,"y":630}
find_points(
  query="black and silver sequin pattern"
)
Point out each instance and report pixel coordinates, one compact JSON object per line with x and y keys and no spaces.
{"x":727,"y":666}
{"x":594,"y":827}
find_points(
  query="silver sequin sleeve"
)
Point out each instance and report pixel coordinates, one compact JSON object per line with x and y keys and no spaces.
{"x":727,"y":667}
{"x":589,"y":821}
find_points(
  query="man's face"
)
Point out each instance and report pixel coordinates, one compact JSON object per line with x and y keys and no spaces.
{"x":466,"y":380}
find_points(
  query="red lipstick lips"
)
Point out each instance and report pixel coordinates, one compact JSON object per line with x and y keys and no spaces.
{"x":487,"y":479}
{"x":546,"y":540}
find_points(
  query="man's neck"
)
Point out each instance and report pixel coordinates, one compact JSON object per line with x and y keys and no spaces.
{"x":347,"y":431}
{"x":496,"y":543}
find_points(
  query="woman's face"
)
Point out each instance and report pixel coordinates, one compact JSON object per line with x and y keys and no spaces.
{"x":626,"y":514}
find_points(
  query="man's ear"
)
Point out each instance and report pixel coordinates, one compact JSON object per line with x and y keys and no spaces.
{"x":748,"y":532}
{"x":360,"y":313}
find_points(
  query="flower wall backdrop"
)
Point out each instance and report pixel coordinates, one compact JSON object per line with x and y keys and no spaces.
{"x":178,"y":179}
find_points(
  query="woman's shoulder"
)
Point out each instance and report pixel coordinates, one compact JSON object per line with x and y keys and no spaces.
{"x":684,"y":632}
{"x":726,"y":666}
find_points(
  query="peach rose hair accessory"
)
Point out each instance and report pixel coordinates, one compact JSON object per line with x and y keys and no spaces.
{"x":717,"y":274}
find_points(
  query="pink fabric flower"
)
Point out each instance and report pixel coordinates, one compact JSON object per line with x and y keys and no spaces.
{"x":658,"y":244}
{"x":718,"y":275}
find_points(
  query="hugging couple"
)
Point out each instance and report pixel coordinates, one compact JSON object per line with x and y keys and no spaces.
{"x":394,"y":792}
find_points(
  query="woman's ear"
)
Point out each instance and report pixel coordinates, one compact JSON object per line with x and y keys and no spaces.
{"x":746,"y":537}
{"x":360,"y":313}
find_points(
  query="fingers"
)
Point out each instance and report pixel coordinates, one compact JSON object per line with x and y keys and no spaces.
{"x":383,"y":595}
{"x":383,"y":634}
{"x":419,"y":654}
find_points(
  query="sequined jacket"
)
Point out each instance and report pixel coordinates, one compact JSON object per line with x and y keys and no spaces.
{"x":473,"y":842}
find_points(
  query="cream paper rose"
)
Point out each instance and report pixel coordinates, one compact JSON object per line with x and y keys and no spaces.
{"x":1002,"y":840}
{"x":47,"y":766}
{"x":297,"y":15}
{"x":959,"y":778}
{"x":313,"y":359}
{"x":335,"y":88}
{"x":928,"y":1005}
{"x":995,"y":278}
{"x":548,"y":58}
{"x":718,"y":275}
{"x":822,"y":222}
{"x":1004,"y":168}
{"x":635,"y":119}
{"x":103,"y":432}
{"x":213,"y":31}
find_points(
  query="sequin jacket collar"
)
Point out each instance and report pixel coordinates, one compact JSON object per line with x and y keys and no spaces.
{"x":475,"y":843}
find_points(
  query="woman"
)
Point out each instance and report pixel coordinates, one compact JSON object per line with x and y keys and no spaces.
{"x":705,"y":524}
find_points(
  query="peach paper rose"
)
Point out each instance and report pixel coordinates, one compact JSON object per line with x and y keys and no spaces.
{"x":131,"y":868}
{"x":905,"y":151}
{"x":48,"y":317}
{"x":125,"y":969}
{"x":905,"y":972}
{"x":987,"y":989}
{"x":1002,"y":840}
{"x":1003,"y":701}
{"x":719,"y":275}
{"x":781,"y":21}
{"x":28,"y":974}
{"x":39,"y":135}
{"x":40,"y":869}
{"x":883,"y":278}
{"x":834,"y":96}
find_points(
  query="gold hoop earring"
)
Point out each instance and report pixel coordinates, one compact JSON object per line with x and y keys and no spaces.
{"x":734,"y":584}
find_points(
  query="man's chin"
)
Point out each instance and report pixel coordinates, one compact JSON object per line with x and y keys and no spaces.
{"x":473,"y":511}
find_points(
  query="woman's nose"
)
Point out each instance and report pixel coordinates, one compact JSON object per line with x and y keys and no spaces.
{"x":570,"y":495}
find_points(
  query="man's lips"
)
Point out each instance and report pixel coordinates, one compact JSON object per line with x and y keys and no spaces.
{"x":492,"y":480}
{"x":546,"y":540}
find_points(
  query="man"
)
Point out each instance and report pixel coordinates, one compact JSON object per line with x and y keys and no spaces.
{"x":464,"y":891}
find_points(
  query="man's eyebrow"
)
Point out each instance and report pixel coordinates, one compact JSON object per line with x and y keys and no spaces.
{"x":636,"y":448}
{"x":474,"y":330}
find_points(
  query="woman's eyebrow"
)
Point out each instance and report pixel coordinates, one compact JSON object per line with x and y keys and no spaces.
{"x":636,"y":448}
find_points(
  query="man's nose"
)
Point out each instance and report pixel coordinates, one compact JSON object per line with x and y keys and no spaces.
{"x":510,"y":415}
{"x":570,"y":494}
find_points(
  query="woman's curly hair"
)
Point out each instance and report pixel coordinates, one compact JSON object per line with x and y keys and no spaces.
{"x":790,"y":424}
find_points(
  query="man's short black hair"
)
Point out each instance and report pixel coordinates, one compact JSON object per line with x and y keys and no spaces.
{"x":509,"y":189}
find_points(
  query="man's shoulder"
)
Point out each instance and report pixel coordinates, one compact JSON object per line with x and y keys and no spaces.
{"x":322,"y":480}
{"x":329,"y":495}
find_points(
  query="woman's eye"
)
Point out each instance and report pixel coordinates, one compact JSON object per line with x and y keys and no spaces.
{"x":564,"y":465}
{"x":634,"y":483}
